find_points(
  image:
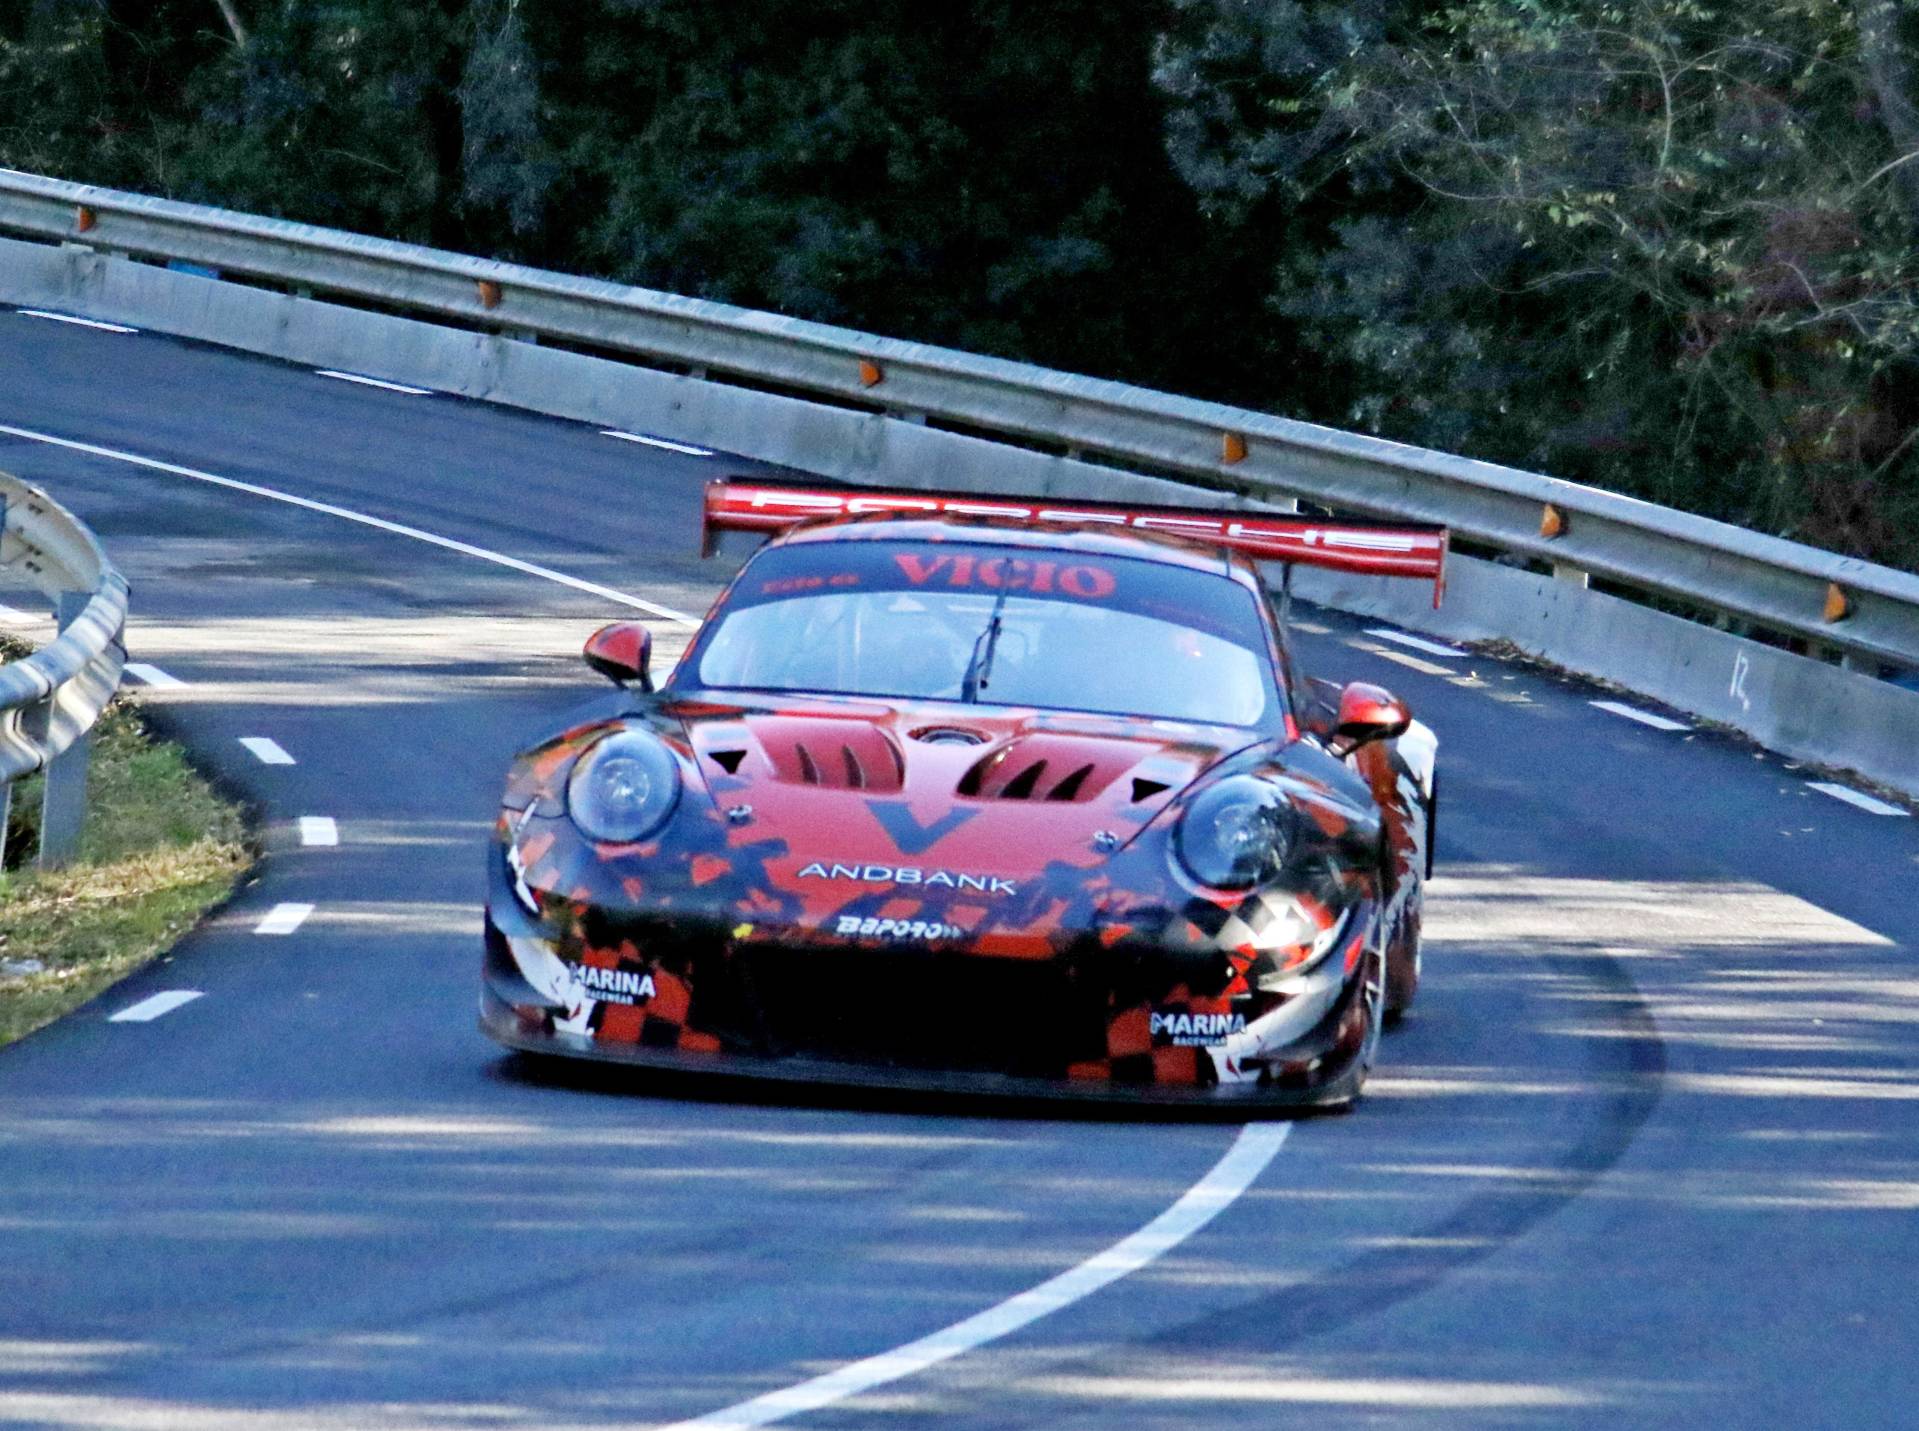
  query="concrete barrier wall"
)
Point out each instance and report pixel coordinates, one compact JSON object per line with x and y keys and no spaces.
{"x":834,"y":442}
{"x":1804,"y":708}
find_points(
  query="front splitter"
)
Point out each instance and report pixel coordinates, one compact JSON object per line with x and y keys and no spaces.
{"x":1242,"y":1100}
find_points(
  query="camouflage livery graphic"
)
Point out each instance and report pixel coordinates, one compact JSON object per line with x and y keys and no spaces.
{"x":974,"y":800}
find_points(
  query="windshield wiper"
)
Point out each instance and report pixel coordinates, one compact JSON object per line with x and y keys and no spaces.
{"x":979,"y":665}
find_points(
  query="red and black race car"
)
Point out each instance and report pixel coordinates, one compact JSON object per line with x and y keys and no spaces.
{"x":981,"y":793}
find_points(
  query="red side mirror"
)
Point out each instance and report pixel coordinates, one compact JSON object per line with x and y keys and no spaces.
{"x":622,"y":652}
{"x":1368,"y":713}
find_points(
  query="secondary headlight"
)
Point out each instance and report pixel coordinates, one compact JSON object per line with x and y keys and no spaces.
{"x":1236,"y":833}
{"x":623,"y":788}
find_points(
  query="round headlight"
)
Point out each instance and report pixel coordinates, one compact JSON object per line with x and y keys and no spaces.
{"x":1236,"y":834}
{"x":623,"y":788}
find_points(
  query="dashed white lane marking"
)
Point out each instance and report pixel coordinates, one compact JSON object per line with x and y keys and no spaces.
{"x":1853,"y":797}
{"x":1657,"y":722}
{"x":374,"y":383}
{"x":1417,"y":663}
{"x":266,"y":749}
{"x":1418,"y":643}
{"x":79,"y":322}
{"x":149,"y":1009}
{"x":1199,"y":1205}
{"x":684,"y":448}
{"x":283,"y":919}
{"x":319,"y":830}
{"x":152,"y":676}
{"x":347,"y":514}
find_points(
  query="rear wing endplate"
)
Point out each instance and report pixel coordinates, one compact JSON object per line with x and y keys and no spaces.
{"x":1363,"y":548}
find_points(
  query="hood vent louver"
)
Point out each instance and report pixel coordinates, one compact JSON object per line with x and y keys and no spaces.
{"x":1020,"y":787}
{"x":822,"y":751}
{"x":1147,"y":789}
{"x":1068,"y":788}
{"x":988,"y":780}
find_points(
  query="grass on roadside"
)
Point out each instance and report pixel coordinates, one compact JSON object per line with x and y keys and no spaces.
{"x":160,"y":848}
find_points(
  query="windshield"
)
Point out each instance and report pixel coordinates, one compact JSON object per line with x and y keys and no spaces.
{"x":956,"y":621}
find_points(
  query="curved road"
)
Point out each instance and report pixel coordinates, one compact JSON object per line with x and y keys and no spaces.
{"x":1643,"y":1155}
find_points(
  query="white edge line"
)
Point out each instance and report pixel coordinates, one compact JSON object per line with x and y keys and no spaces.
{"x":1418,"y":643}
{"x":283,"y":919}
{"x":152,"y":676}
{"x":319,"y":830}
{"x":685,"y":448}
{"x":1854,"y":798}
{"x":151,"y":1008}
{"x":267,"y":750}
{"x":374,"y":383}
{"x":1415,"y":663}
{"x":1657,"y":722}
{"x":347,"y":514}
{"x":1200,"y":1204}
{"x":82,"y":322}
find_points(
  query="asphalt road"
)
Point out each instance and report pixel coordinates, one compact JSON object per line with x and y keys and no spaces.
{"x":1643,"y":1155}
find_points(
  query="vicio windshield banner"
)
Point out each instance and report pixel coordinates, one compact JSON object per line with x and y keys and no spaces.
{"x":1363,"y":548}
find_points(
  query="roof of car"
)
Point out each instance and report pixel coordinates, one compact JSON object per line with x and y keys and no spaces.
{"x":1089,"y":539}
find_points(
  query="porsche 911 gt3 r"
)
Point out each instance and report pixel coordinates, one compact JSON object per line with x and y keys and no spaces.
{"x":983,"y":794}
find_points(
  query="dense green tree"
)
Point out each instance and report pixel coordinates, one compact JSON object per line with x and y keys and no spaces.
{"x":336,"y":111}
{"x":1663,"y":245}
{"x":341,"y":112}
{"x":87,"y":86}
{"x":987,"y":174}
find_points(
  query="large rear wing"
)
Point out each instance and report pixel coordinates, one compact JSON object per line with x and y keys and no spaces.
{"x":741,"y":505}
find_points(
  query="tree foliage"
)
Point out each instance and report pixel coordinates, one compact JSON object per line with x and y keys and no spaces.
{"x":988,"y":175}
{"x":1661,"y":245}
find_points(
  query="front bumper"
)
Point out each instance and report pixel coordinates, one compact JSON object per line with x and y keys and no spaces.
{"x":1097,"y":1023}
{"x":500,"y":1023}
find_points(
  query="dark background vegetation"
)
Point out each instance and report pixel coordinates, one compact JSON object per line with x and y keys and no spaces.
{"x":1664,"y":246}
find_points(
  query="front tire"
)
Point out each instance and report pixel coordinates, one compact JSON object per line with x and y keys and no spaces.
{"x":1402,"y":966}
{"x":1343,"y":1094}
{"x":1403,"y":959}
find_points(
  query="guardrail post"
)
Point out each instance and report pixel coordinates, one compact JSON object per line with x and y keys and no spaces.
{"x":63,"y":810}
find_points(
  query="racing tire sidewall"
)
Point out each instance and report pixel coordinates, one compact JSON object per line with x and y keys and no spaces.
{"x":1344,"y":1095}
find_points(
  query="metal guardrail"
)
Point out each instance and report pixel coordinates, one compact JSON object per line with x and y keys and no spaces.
{"x":50,"y":700}
{"x":1866,"y":613}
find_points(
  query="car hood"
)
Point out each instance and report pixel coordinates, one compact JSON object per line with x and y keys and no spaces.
{"x":986,"y":792}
